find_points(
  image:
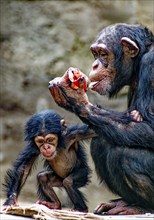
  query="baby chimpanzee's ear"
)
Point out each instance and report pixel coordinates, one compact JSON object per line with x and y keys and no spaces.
{"x":64,"y":126}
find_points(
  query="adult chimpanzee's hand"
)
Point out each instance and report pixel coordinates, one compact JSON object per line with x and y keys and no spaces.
{"x":69,"y":90}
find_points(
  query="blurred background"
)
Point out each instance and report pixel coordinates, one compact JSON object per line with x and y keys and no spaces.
{"x":39,"y":41}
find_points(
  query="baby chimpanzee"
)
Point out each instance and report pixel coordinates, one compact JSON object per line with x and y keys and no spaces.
{"x":65,"y":161}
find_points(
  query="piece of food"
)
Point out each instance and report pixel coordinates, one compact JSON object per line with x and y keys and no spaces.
{"x":75,"y":76}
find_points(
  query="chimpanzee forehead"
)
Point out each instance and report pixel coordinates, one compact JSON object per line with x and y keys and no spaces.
{"x":99,"y":47}
{"x":107,"y":37}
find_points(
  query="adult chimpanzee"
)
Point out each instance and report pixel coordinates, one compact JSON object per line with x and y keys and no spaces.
{"x":123,"y":152}
{"x":65,"y":160}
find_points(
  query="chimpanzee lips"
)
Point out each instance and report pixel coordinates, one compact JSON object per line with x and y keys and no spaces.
{"x":92,"y":85}
{"x":49,"y":155}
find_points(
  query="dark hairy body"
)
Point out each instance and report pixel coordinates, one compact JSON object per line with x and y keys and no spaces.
{"x":65,"y":162}
{"x":123,"y":151}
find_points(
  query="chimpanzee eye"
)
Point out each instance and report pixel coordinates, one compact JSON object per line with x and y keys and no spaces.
{"x":39,"y":143}
{"x":50,"y":140}
{"x":103,"y":55}
{"x":95,"y":54}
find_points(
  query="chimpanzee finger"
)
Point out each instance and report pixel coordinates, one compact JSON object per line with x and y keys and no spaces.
{"x":61,"y":97}
{"x":61,"y":100}
{"x":82,"y":83}
{"x":132,"y":211}
{"x":4,"y":208}
{"x":57,"y":95}
{"x":136,"y":115}
{"x":103,"y":207}
{"x":116,"y":210}
{"x":69,"y":101}
{"x":53,"y":90}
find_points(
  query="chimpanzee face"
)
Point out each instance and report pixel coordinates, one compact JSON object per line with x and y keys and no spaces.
{"x":47,"y":145}
{"x":114,"y":59}
{"x":103,"y":70}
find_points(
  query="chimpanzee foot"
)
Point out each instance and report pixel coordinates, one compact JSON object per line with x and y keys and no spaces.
{"x":6,"y":207}
{"x":85,"y":210}
{"x":50,"y":205}
{"x":116,"y":207}
{"x":76,"y":210}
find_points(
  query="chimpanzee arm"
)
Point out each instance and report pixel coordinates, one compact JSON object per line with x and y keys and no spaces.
{"x":78,"y":133}
{"x":117,"y":127}
{"x":17,"y":176}
{"x":145,"y":92}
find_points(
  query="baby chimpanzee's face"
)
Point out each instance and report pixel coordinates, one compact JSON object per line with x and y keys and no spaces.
{"x":47,"y":145}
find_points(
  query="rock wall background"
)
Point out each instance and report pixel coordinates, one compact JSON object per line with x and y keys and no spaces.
{"x":39,"y":41}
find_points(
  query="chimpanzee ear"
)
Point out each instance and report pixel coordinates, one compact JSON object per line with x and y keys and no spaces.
{"x":130,"y":48}
{"x":64,"y":125}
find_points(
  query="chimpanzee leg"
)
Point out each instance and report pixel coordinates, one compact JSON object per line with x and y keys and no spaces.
{"x":71,"y":185}
{"x":134,"y":181}
{"x":46,"y":181}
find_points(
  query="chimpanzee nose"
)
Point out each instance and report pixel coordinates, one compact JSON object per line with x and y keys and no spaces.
{"x":95,"y":65}
{"x":46,"y":146}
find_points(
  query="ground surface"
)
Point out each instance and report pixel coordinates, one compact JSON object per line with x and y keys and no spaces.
{"x":40,"y":212}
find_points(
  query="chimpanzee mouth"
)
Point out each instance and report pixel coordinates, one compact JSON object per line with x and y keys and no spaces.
{"x":50,"y":156}
{"x":101,"y":87}
{"x":93,"y":85}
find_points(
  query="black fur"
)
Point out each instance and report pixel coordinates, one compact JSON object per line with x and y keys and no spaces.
{"x":123,"y":152}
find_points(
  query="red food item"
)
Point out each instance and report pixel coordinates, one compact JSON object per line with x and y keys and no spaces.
{"x":74,"y":75}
